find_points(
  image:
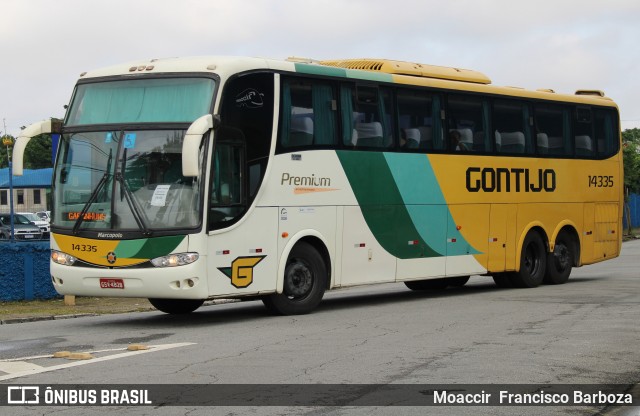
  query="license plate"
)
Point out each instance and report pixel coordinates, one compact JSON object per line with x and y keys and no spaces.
{"x":112,"y":283}
{"x":28,"y":236}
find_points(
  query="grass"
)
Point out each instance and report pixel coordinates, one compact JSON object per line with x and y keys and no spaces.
{"x":83,"y":305}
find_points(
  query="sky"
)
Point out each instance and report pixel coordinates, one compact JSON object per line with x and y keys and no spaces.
{"x":564,"y":45}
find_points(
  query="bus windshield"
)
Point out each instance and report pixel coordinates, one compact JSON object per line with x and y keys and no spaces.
{"x":152,"y":100}
{"x":124,"y":180}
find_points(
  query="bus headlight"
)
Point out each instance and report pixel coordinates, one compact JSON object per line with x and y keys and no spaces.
{"x":62,"y":258}
{"x":177,"y":259}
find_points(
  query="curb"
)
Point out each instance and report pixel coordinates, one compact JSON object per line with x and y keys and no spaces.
{"x":44,"y":318}
{"x":82,"y":315}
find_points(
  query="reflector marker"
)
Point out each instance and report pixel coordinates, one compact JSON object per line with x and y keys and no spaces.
{"x":359,"y":245}
{"x":451,"y":240}
{"x":223,"y":252}
{"x":255,"y":250}
{"x":413,"y":242}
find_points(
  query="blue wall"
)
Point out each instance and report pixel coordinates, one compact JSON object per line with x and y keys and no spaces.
{"x":24,"y":271}
{"x":634,"y":210}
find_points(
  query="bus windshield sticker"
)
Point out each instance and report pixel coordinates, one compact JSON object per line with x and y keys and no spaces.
{"x":159,"y":197}
{"x":108,"y":137}
{"x":129,"y":140}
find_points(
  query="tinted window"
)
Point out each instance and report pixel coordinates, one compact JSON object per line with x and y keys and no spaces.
{"x":467,"y":120}
{"x":552,"y":130}
{"x":419,"y":128}
{"x":511,"y":127}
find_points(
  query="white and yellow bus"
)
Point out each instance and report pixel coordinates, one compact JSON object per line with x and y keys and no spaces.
{"x":181,"y":180}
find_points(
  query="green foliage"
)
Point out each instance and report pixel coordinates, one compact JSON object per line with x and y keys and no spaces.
{"x":3,"y":153}
{"x":631,"y":158}
{"x":37,"y":155}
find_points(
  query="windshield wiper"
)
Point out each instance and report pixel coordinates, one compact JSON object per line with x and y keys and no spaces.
{"x":94,"y":194}
{"x":131,"y":201}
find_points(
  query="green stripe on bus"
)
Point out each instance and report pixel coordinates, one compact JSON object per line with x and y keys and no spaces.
{"x":328,"y":71}
{"x":425,"y":202}
{"x":148,"y":248}
{"x":382,"y":205}
{"x":331,"y":71}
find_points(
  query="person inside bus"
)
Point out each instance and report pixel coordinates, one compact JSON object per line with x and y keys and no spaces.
{"x":455,"y":141}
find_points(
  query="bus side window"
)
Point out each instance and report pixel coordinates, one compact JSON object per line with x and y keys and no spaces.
{"x":552,"y":130}
{"x":606,"y":132}
{"x":469,"y":116}
{"x":415,"y":119}
{"x":510,"y":124}
{"x":308,"y":115}
{"x":583,"y":132}
{"x":367,"y":118}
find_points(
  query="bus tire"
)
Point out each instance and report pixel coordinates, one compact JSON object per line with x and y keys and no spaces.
{"x":458,"y":281}
{"x":305,"y":280}
{"x":176,"y":306}
{"x":502,"y":279}
{"x":533,"y":262}
{"x":560,"y":262}
{"x":431,"y":284}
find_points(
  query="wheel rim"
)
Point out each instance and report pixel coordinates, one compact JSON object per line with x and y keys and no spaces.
{"x":298,"y":280}
{"x":562,"y":257}
{"x":532,"y":260}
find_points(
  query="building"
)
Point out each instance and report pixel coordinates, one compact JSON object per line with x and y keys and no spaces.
{"x":31,"y":191}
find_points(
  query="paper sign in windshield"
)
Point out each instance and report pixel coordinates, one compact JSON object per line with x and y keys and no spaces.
{"x":159,"y":197}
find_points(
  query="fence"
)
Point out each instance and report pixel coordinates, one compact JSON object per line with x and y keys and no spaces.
{"x":24,"y":274}
{"x":633,"y":205}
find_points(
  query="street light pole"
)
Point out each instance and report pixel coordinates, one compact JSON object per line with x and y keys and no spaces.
{"x":6,"y":142}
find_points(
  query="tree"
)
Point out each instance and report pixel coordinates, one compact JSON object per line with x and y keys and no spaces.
{"x":3,"y":151}
{"x":631,"y":161}
{"x":37,"y":154}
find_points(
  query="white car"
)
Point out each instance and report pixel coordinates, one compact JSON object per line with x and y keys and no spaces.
{"x":41,"y":223}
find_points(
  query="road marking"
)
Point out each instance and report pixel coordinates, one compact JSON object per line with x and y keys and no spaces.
{"x":22,"y":368}
{"x":18,"y":367}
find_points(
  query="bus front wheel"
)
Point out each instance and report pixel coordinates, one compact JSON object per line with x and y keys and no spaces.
{"x":533,"y":262}
{"x":305,"y":279}
{"x":176,"y":306}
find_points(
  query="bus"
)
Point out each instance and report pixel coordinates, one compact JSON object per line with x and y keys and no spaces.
{"x":186,"y":179}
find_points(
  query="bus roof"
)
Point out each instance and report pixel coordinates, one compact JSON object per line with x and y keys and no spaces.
{"x":382,"y":70}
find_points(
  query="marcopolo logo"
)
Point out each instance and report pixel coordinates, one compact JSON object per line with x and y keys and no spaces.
{"x":510,"y":180}
{"x":250,"y":98}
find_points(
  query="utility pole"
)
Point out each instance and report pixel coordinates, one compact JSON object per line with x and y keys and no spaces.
{"x":6,"y":140}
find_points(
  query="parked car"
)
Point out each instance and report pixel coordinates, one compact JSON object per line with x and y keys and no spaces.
{"x":45,"y":215}
{"x":23,"y":229}
{"x":41,"y":223}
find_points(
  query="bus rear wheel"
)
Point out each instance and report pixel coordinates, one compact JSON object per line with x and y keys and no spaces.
{"x":560,"y":262}
{"x":533,"y":262}
{"x":176,"y":306}
{"x":305,"y":280}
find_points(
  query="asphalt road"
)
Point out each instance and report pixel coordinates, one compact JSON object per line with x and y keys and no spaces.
{"x":583,"y":332}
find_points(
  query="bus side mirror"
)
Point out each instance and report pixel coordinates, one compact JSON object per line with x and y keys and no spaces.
{"x":192,"y":141}
{"x":36,"y":129}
